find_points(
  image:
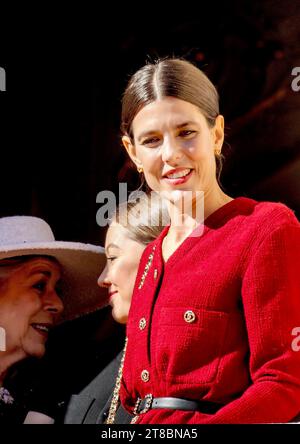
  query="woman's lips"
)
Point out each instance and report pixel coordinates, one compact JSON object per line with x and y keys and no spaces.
{"x":42,"y":328}
{"x":111,"y":294}
{"x":179,"y":180}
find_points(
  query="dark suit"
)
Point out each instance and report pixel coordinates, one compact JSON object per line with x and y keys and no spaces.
{"x":92,"y":404}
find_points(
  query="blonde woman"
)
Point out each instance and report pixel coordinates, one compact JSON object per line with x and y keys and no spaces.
{"x":133,"y":226}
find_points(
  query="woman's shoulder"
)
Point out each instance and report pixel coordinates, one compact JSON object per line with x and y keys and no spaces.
{"x":267,"y":223}
{"x":98,"y":390}
{"x":270,"y":215}
{"x":105,"y":380}
{"x":267,"y":228}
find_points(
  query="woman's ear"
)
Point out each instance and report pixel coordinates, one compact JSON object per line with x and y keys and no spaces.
{"x":130,"y":148}
{"x":218,"y":133}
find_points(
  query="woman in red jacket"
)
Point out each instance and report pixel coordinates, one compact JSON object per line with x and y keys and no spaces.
{"x":216,"y":301}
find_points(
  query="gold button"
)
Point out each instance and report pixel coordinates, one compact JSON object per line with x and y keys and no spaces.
{"x":155,"y":273}
{"x":142,"y":323}
{"x":189,"y":316}
{"x":145,"y":376}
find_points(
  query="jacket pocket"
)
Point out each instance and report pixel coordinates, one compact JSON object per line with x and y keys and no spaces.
{"x":189,"y":344}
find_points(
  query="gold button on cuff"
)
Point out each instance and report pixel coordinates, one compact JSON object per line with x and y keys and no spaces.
{"x":189,"y":316}
{"x":155,"y":273}
{"x":145,"y":376}
{"x":142,"y":323}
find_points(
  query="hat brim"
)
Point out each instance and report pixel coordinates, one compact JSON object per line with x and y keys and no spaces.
{"x":81,"y":266}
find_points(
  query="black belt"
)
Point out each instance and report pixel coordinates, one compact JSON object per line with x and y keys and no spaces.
{"x":147,"y":403}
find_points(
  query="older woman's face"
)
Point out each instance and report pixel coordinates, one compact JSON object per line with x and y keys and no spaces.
{"x":175,"y":146}
{"x":123,"y":257}
{"x":29,"y":305}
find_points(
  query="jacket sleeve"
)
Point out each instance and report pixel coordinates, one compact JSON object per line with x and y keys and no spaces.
{"x":271,"y":300}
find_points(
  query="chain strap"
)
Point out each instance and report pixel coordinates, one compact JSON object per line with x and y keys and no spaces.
{"x":115,"y":399}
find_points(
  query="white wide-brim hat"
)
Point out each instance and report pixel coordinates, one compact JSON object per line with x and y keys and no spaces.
{"x":81,"y":263}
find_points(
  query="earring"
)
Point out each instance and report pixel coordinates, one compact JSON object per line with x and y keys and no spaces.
{"x":140,"y":169}
{"x":217,"y":152}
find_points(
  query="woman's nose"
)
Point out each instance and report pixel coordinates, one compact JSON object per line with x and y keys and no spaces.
{"x":171,"y":150}
{"x":103,"y":280}
{"x":53,"y":302}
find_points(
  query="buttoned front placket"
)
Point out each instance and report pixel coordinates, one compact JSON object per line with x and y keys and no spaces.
{"x":147,"y":288}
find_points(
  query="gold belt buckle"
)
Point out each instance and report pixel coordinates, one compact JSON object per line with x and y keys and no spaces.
{"x":149,"y":399}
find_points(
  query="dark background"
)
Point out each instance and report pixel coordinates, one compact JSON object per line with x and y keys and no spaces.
{"x":59,"y":119}
{"x":59,"y":128}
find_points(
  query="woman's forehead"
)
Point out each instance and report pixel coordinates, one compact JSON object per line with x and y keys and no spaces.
{"x":21,"y":272}
{"x":40,"y":263}
{"x":169,"y":111}
{"x":115,"y":233}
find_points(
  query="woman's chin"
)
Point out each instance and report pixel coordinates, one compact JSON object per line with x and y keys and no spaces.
{"x":35,"y":350}
{"x":121,"y":318}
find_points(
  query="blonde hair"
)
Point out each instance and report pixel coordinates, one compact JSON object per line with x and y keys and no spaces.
{"x":144,"y":217}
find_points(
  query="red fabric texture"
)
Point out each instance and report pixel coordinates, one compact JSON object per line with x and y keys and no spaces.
{"x":241,"y":280}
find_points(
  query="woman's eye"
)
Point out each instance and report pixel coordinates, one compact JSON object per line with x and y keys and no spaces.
{"x":40,"y":286}
{"x":151,"y":141}
{"x":111,"y":258}
{"x":186,"y":133}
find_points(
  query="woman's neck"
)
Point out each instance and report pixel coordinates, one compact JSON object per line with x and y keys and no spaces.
{"x":183,"y":223}
{"x":2,"y":377}
{"x":7,"y":359}
{"x":3,"y":369}
{"x":186,"y":216}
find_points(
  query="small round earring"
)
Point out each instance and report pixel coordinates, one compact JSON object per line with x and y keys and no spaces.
{"x":218,"y":152}
{"x":140,"y":169}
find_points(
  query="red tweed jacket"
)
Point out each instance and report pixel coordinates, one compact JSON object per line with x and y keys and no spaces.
{"x":216,"y":321}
